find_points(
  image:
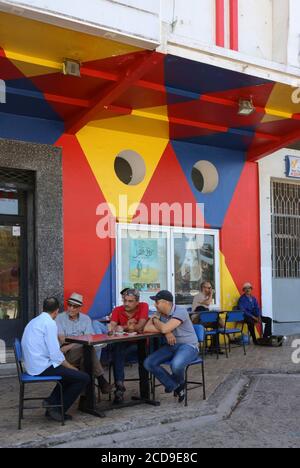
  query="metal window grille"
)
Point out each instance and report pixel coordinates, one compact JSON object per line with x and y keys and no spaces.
{"x":286,"y":229}
{"x":16,"y":179}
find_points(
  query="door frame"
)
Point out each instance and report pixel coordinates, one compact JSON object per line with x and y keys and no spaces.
{"x":217,"y":271}
{"x":170,"y":231}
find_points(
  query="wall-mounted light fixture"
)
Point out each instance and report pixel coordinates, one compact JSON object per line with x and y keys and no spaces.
{"x":71,"y":67}
{"x":246,"y":107}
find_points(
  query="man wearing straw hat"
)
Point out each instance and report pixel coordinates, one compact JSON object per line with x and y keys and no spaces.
{"x":253,"y":315}
{"x":74,"y":323}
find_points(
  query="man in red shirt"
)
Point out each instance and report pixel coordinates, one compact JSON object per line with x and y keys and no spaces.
{"x":130,"y":318}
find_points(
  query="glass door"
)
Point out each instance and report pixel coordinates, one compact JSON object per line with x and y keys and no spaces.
{"x":10,"y":256}
{"x":152,"y":258}
{"x":12,"y":291}
{"x":196,"y":259}
{"x":144,"y":259}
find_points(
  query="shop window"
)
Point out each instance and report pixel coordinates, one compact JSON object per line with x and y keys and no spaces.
{"x":152,"y":258}
{"x":205,"y":177}
{"x":130,"y":167}
{"x":194,"y":258}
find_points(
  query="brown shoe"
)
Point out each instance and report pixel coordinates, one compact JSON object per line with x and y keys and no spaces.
{"x":104,"y":386}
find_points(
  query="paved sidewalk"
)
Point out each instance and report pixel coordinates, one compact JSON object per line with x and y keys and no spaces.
{"x":224,"y":378}
{"x":266,"y":415}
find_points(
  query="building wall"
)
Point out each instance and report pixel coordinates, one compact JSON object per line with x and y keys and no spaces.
{"x":45,"y":242}
{"x":89,"y":179}
{"x":271,"y":167}
{"x":135,"y":21}
{"x":169,"y":153}
{"x":256,"y":28}
{"x":233,"y":208}
{"x":267,"y":30}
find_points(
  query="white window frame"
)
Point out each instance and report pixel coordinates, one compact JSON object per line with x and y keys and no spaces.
{"x":170,"y":231}
{"x":208,"y":232}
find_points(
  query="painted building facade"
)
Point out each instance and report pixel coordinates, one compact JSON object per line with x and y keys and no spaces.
{"x":141,"y":125}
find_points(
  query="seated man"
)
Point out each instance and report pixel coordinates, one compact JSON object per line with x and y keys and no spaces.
{"x":101,"y":327}
{"x":131,"y":317}
{"x":43,"y":357}
{"x":204,"y":299}
{"x":182,"y":346}
{"x":203,"y":303}
{"x":253,"y":316}
{"x":74,"y":323}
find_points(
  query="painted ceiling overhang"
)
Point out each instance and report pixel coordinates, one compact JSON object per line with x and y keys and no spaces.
{"x":191,"y":101}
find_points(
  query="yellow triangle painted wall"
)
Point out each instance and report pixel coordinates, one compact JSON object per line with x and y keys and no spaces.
{"x":101,"y":147}
{"x":229,"y":291}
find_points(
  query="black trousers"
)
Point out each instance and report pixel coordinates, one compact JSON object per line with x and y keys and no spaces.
{"x":267,"y":331}
{"x":73,"y":383}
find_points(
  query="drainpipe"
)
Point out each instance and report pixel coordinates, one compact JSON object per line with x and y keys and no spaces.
{"x":234,"y":24}
{"x":220,"y":23}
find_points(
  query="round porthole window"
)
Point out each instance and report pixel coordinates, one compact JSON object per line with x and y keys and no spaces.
{"x":130,"y":167}
{"x":205,"y":177}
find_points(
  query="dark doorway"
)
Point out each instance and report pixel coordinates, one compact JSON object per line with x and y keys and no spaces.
{"x":15,"y":196}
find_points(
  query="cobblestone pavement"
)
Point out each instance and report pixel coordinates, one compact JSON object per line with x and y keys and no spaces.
{"x":270,"y":402}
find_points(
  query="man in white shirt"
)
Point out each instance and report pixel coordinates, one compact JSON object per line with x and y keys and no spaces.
{"x":43,"y":357}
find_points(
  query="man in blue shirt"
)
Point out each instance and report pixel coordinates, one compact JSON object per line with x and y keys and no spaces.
{"x":253,"y":316}
{"x":74,"y":323}
{"x":43,"y":357}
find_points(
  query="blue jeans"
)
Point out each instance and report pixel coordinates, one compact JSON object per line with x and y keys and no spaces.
{"x":121,"y":353}
{"x":180,"y":356}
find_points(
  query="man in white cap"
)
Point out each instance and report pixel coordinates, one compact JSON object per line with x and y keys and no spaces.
{"x":253,"y":315}
{"x":74,"y":323}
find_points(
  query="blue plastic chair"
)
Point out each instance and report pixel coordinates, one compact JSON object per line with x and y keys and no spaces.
{"x":200,"y":332}
{"x":211,"y":320}
{"x":236,"y":318}
{"x":25,"y":378}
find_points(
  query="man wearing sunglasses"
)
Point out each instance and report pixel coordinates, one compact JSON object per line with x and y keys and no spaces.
{"x":74,"y":323}
{"x":131,"y":317}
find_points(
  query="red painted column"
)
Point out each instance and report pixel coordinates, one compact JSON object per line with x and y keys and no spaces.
{"x":220,"y":23}
{"x":234,"y":24}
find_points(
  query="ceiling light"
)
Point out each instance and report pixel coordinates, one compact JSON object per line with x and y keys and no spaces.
{"x":246,"y":107}
{"x":71,"y":67}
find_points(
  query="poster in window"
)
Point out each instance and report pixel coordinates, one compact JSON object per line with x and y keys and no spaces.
{"x":144,"y":264}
